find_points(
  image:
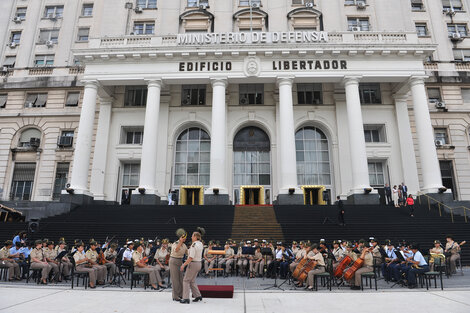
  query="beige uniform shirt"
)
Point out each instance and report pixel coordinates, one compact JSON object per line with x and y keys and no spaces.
{"x":136,"y":257}
{"x":455,"y":248}
{"x":195,"y":251}
{"x":368,"y":259}
{"x":206,"y":253}
{"x":338,"y":254}
{"x":92,"y":255}
{"x":4,"y":253}
{"x":50,"y":254}
{"x":376,"y":252}
{"x":161,"y":254}
{"x":37,"y":254}
{"x":317,"y":257}
{"x":437,"y":251}
{"x":352,"y":255}
{"x":78,"y":256}
{"x":181,"y":252}
{"x":229,"y":252}
{"x":257,"y":255}
{"x":108,"y":255}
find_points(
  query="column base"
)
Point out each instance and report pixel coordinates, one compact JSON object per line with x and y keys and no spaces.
{"x":145,"y":199}
{"x":220,"y":199}
{"x":83,"y":198}
{"x":287,"y":199}
{"x":371,"y":198}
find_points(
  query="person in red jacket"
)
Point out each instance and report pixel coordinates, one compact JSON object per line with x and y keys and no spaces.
{"x":410,"y":204}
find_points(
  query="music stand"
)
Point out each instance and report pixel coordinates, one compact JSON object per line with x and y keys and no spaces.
{"x":400,"y":259}
{"x":266,"y":252}
{"x":274,"y":286}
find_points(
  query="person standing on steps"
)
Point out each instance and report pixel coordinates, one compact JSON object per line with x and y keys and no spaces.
{"x":194,"y":266}
{"x":388,"y":194}
{"x":340,"y":205}
{"x":410,"y":203}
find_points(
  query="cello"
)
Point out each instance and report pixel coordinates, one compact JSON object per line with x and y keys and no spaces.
{"x":342,"y":265}
{"x":304,"y":273}
{"x":349,"y":273}
{"x":298,"y":268}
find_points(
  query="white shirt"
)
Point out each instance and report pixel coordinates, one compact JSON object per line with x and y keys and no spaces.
{"x":127,"y":254}
{"x":419,"y":257}
{"x":279,"y":254}
{"x":195,"y":251}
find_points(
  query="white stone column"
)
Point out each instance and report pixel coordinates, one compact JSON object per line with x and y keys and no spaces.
{"x":430,"y":169}
{"x":82,"y":153}
{"x":287,"y":162}
{"x":148,"y":163}
{"x":98,"y":169}
{"x":359,"y":166}
{"x":218,"y":158}
{"x":407,"y":151}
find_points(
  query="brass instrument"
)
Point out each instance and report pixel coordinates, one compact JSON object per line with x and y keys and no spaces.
{"x":437,"y":255}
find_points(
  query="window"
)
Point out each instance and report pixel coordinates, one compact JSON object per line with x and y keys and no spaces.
{"x":46,"y":35}
{"x":455,"y":5}
{"x":440,"y":134}
{"x":370,"y":93}
{"x":417,"y":5}
{"x":147,"y":4}
{"x":246,"y":3}
{"x":193,"y":95}
{"x":144,"y":28}
{"x":132,"y":135}
{"x":434,"y":95}
{"x":87,"y":9}
{"x":3,"y":100}
{"x":353,"y":2}
{"x":21,"y":13}
{"x":35,"y":100}
{"x":251,"y":94}
{"x":376,"y":173}
{"x":312,"y":156}
{"x":131,"y":175}
{"x":465,"y":95}
{"x":44,"y":60}
{"x":60,"y":181}
{"x":56,"y":11}
{"x":83,"y":34}
{"x":447,"y":174}
{"x":461,"y":55}
{"x":15,"y":37}
{"x":9,"y":61}
{"x":421,"y":29}
{"x":192,"y":158}
{"x":72,"y":99}
{"x":358,"y":23}
{"x":457,"y":29}
{"x":197,"y":3}
{"x":135,"y":96}
{"x":30,"y":137}
{"x":65,"y":140}
{"x":309,"y":93}
{"x":22,"y":182}
{"x":302,"y":2}
{"x":374,"y":133}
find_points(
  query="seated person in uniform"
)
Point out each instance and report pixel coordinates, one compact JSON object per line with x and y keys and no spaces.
{"x":366,"y":255}
{"x":92,"y":256}
{"x":338,"y":253}
{"x":38,"y":261}
{"x":140,"y":265}
{"x":255,"y":263}
{"x":51,"y":254}
{"x":6,"y":260}
{"x":161,"y":258}
{"x":228,"y":259}
{"x":110,"y":257}
{"x":275,"y":264}
{"x":319,"y":261}
{"x":436,"y":252}
{"x":419,"y":265}
{"x":82,"y":264}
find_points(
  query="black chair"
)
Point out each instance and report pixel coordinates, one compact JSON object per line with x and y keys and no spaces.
{"x":326,"y":278}
{"x":367,"y":278}
{"x":136,"y":276}
{"x":432,"y":275}
{"x":3,"y":272}
{"x":79,"y":274}
{"x":33,"y":273}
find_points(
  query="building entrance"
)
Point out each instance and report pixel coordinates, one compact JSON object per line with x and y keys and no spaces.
{"x":252,"y":195}
{"x":191,"y":195}
{"x":314,"y":195}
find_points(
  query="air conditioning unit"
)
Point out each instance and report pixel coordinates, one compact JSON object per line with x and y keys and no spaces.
{"x":29,"y":105}
{"x":449,"y":11}
{"x":439,"y":143}
{"x":255,"y":5}
{"x":186,"y":102}
{"x":13,"y":44}
{"x":17,"y":19}
{"x":4,"y":69}
{"x":49,"y":43}
{"x":440,"y":105}
{"x":138,"y":10}
{"x":355,"y":29}
{"x":65,"y":141}
{"x":244,"y":101}
{"x":309,"y":4}
{"x":456,"y":37}
{"x":203,"y":6}
{"x":34,"y":142}
{"x":361,"y":5}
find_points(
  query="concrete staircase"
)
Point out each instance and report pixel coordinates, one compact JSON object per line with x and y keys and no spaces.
{"x":260,"y":222}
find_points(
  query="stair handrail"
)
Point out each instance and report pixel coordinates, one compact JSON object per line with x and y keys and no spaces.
{"x":440,"y":203}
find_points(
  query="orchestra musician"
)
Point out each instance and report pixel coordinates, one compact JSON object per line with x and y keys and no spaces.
{"x":178,"y":251}
{"x":299,"y":255}
{"x":92,"y":256}
{"x":419,"y":265}
{"x":403,"y":266}
{"x":65,"y":264}
{"x":366,"y":255}
{"x":82,"y":264}
{"x":278,"y":255}
{"x":390,"y":261}
{"x":452,"y":251}
{"x":160,"y":257}
{"x":110,"y":259}
{"x":242,"y":261}
{"x":228,"y":259}
{"x":338,"y":254}
{"x":255,"y":268}
{"x":7,"y":260}
{"x":316,"y":256}
{"x":435,"y":252}
{"x":376,"y":251}
{"x":38,"y":261}
{"x":127,"y":255}
{"x":209,"y":259}
{"x":140,"y":265}
{"x":51,"y":254}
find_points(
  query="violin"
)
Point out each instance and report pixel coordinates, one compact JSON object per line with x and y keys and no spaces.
{"x":167,"y":259}
{"x":101,"y":258}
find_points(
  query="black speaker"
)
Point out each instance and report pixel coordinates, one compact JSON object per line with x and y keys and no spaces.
{"x":33,"y":226}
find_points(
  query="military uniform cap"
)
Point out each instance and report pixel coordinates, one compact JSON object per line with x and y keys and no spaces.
{"x":437,"y":242}
{"x":8,"y":243}
{"x":38,"y":242}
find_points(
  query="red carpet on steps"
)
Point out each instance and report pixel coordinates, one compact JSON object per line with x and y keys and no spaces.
{"x":220,"y":291}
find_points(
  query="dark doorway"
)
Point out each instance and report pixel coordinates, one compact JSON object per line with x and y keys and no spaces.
{"x":252,"y":196}
{"x":192,"y":196}
{"x":312,"y":196}
{"x":447,"y":173}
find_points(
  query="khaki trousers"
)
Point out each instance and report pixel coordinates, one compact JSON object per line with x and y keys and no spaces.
{"x":176,"y":278}
{"x":46,"y":268}
{"x":159,"y":275}
{"x":228,"y":264}
{"x":111,"y":268}
{"x":13,"y":269}
{"x":255,"y":267}
{"x":152,"y":271}
{"x":242,"y":263}
{"x":65,"y":267}
{"x":311,"y":274}
{"x":208,"y":265}
{"x":452,"y":262}
{"x":55,"y":270}
{"x":357,"y":275}
{"x":91,"y":273}
{"x":189,"y":280}
{"x":292,"y":266}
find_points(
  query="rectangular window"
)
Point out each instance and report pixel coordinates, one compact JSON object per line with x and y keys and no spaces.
{"x":65,"y":140}
{"x":440,"y":134}
{"x":447,"y":174}
{"x":251,"y":94}
{"x":374,"y":133}
{"x":15,"y":37}
{"x":22,"y":182}
{"x":144,"y":28}
{"x":46,"y":35}
{"x":358,"y":24}
{"x":302,"y":2}
{"x":353,"y":2}
{"x":421,"y":29}
{"x":455,"y":5}
{"x":132,"y":135}
{"x":44,"y":60}
{"x":21,"y":13}
{"x":193,"y":95}
{"x":87,"y":9}
{"x":457,"y":29}
{"x":376,"y":174}
{"x":370,"y":93}
{"x":246,"y":3}
{"x":135,"y":96}
{"x":35,"y":100}
{"x":466,"y":95}
{"x":309,"y":93}
{"x":130,"y":175}
{"x":53,"y":12}
{"x":434,"y":95}
{"x":462,"y":55}
{"x":72,"y":99}
{"x":147,"y":4}
{"x":417,"y":5}
{"x":3,"y":100}
{"x":9,"y":61}
{"x":83,"y":34}
{"x":60,"y":181}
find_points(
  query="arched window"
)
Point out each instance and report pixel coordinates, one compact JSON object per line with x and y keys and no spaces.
{"x":192,"y":158}
{"x":199,"y":21}
{"x":313,"y":157}
{"x":305,"y":19}
{"x":30,"y":137}
{"x":256,"y":20}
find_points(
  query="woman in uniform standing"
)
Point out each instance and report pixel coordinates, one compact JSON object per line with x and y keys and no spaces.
{"x":194,"y":266}
{"x":178,"y":250}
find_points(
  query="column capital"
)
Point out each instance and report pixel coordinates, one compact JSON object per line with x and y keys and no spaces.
{"x":417,"y":80}
{"x":284,"y":80}
{"x":90,"y":83}
{"x":400,"y":97}
{"x":154,"y":82}
{"x":349,"y":80}
{"x":219,"y":81}
{"x":106,"y":100}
